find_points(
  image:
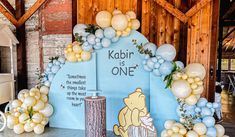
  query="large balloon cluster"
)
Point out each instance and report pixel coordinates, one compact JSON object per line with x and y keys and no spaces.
{"x":51,"y":69}
{"x":30,"y":112}
{"x":111,"y":26}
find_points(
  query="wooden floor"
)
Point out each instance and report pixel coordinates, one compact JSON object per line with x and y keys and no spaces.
{"x":228,"y":109}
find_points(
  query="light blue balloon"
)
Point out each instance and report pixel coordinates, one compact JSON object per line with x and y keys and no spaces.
{"x":45,"y":79}
{"x":47,"y":83}
{"x":150,"y":64}
{"x":215,"y":105}
{"x":158,"y":57}
{"x":202,"y":102}
{"x":49,"y":65}
{"x":99,"y":33}
{"x":61,"y":65}
{"x":156,"y":72}
{"x":85,"y":43}
{"x":55,"y":69}
{"x":86,"y":47}
{"x":209,"y":105}
{"x":144,"y":62}
{"x":209,"y":121}
{"x":84,"y":38}
{"x":146,"y":57}
{"x":212,"y":111}
{"x":206,"y":111}
{"x":98,"y":46}
{"x":97,"y":40}
{"x":154,"y":59}
{"x":167,"y":52}
{"x":57,"y":63}
{"x":51,"y":77}
{"x":197,"y":109}
{"x":146,"y":68}
{"x":105,"y":42}
{"x":47,"y":70}
{"x":179,"y":64}
{"x":197,"y":121}
{"x":115,"y":39}
{"x":157,"y":65}
{"x":61,"y":60}
{"x":166,"y":68}
{"x":80,"y":29}
{"x":109,"y":32}
{"x":161,"y":61}
{"x":211,"y":132}
{"x":150,"y":47}
{"x":91,"y":39}
{"x":54,"y":61}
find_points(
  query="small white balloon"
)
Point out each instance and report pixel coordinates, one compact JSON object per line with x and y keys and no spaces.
{"x":220,"y":131}
{"x":196,"y":70}
{"x":135,"y":24}
{"x":181,"y":89}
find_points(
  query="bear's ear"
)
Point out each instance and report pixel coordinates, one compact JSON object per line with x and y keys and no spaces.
{"x":138,"y":90}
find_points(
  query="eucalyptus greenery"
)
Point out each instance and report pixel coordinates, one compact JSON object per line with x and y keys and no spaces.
{"x":39,"y":77}
{"x":141,"y":48}
{"x":91,"y":28}
{"x":78,"y":38}
{"x":169,"y":78}
{"x":188,"y":119}
{"x":51,"y":59}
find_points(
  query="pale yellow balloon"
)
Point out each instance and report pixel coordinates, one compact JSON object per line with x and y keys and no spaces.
{"x":195,"y":70}
{"x":191,"y":100}
{"x":170,"y":132}
{"x":182,"y":131}
{"x":16,"y":103}
{"x":176,"y":135}
{"x":178,"y":125}
{"x":125,"y":33}
{"x":131,"y":14}
{"x":77,"y":49}
{"x":103,"y":19}
{"x":119,"y":22}
{"x":85,"y":55}
{"x":135,"y":24}
{"x":198,"y":90}
{"x":164,"y":133}
{"x":71,"y":57}
{"x":220,"y":131}
{"x":200,"y":128}
{"x":118,"y":33}
{"x":175,"y":129}
{"x":181,"y":89}
{"x":168,"y":124}
{"x":18,"y":129}
{"x":191,"y":134}
{"x":116,"y":11}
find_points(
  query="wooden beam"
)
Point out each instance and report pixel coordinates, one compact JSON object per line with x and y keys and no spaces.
{"x":173,"y":10}
{"x":197,"y":7}
{"x":21,"y":48}
{"x":229,"y":33}
{"x":31,"y":11}
{"x":74,"y":15}
{"x":8,"y":6}
{"x":8,"y":15}
{"x":229,"y":11}
{"x":228,"y":23}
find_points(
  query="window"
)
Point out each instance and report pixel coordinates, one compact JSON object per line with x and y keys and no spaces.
{"x":232,"y":64}
{"x":224,"y":65}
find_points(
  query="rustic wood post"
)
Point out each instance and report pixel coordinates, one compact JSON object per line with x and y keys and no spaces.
{"x":95,"y":116}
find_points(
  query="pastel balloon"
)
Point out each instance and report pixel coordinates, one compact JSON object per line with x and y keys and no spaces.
{"x":99,"y":33}
{"x":80,"y":30}
{"x":164,"y":133}
{"x":135,"y":24}
{"x":105,"y":42}
{"x":115,"y":39}
{"x":191,"y":134}
{"x":195,"y":70}
{"x":179,"y":64}
{"x":209,"y":121}
{"x":200,"y":128}
{"x":177,"y":135}
{"x":47,"y":83}
{"x":146,"y":68}
{"x":91,"y":39}
{"x":211,"y":132}
{"x":166,"y":68}
{"x":209,"y":105}
{"x":51,"y":77}
{"x":156,"y":72}
{"x":191,"y":100}
{"x":156,"y":65}
{"x":49,"y":65}
{"x":103,"y":19}
{"x":116,"y":11}
{"x":85,"y":55}
{"x":86,"y":47}
{"x":215,"y":105}
{"x":167,"y":52}
{"x":150,"y":47}
{"x":77,"y":49}
{"x":131,"y":14}
{"x":119,"y":22}
{"x":198,"y":90}
{"x":150,"y":64}
{"x":55,"y":68}
{"x":109,"y":32}
{"x":168,"y":124}
{"x":61,"y":60}
{"x":181,"y":89}
{"x":71,"y":57}
{"x":205,"y":111}
{"x":202,"y":102}
{"x":220,"y":131}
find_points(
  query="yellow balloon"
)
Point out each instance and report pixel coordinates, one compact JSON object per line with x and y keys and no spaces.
{"x":85,"y":55}
{"x":164,"y":133}
{"x":168,"y":124}
{"x":77,"y":49}
{"x":200,"y":128}
{"x":182,"y":131}
{"x":131,"y":14}
{"x":181,"y":89}
{"x":219,"y":130}
{"x":196,"y":70}
{"x":191,"y":134}
{"x":176,"y":135}
{"x":119,"y":22}
{"x":175,"y":129}
{"x":191,"y":100}
{"x":116,"y":11}
{"x":135,"y":24}
{"x":125,"y":33}
{"x":103,"y":19}
{"x":71,"y":57}
{"x":198,"y":90}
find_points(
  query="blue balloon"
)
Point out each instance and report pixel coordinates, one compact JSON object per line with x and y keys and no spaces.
{"x":109,"y":32}
{"x":150,"y":64}
{"x":97,"y":40}
{"x":156,"y":72}
{"x":48,"y":70}
{"x":202,"y":102}
{"x":85,"y":43}
{"x":198,"y":109}
{"x":209,"y":121}
{"x":91,"y":39}
{"x":54,"y":61}
{"x":146,"y":57}
{"x":98,"y":46}
{"x":179,"y":64}
{"x":84,"y":38}
{"x":144,"y":62}
{"x":158,"y":57}
{"x":86,"y":47}
{"x":211,"y":132}
{"x":166,"y":68}
{"x":209,"y":105}
{"x":61,"y":65}
{"x":167,"y":52}
{"x":99,"y":33}
{"x":161,"y":61}
{"x":57,"y":63}
{"x":61,"y":60}
{"x":197,"y":121}
{"x":212,"y":111}
{"x":49,"y":65}
{"x":47,"y":83}
{"x":154,"y":59}
{"x":206,"y":111}
{"x":80,"y":29}
{"x":146,"y":68}
{"x":106,"y":42}
{"x":55,"y":69}
{"x":51,"y":77}
{"x":150,"y":47}
{"x":115,"y":39}
{"x":157,"y":65}
{"x":45,"y":79}
{"x":215,"y":105}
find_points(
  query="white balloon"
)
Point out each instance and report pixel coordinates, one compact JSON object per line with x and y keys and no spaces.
{"x":103,"y":19}
{"x":195,"y":70}
{"x":219,"y":130}
{"x":131,"y":14}
{"x":180,"y":64}
{"x":167,"y":52}
{"x":192,"y":134}
{"x":135,"y":24}
{"x":168,"y":124}
{"x":181,"y":89}
{"x":47,"y":111}
{"x":119,"y":22}
{"x":200,"y":128}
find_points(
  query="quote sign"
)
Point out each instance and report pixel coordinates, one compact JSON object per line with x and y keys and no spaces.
{"x":67,"y":92}
{"x":119,"y":73}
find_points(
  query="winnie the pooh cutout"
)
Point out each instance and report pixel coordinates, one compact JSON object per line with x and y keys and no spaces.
{"x":134,"y":119}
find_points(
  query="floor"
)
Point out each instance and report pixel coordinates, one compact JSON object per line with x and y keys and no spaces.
{"x":228,"y":109}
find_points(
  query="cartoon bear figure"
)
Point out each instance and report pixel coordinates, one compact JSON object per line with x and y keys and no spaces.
{"x":131,"y":114}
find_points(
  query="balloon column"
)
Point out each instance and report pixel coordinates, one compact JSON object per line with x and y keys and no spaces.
{"x":30,"y":112}
{"x":111,"y":26}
